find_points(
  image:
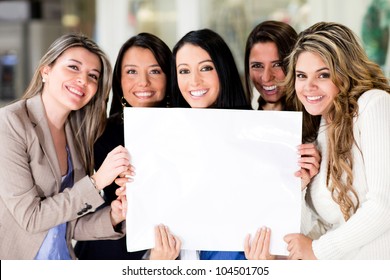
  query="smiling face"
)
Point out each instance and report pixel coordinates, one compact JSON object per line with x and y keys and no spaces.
{"x":265,"y":70}
{"x":313,"y":84}
{"x":143,"y":81}
{"x":197,"y":77}
{"x":72,"y":81}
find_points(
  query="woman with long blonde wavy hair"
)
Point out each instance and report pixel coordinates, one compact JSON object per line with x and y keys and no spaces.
{"x":346,"y":103}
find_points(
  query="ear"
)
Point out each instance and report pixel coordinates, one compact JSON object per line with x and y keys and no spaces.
{"x":45,"y":71}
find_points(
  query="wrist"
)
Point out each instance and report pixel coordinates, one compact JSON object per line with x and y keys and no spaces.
{"x":116,"y":221}
{"x":93,"y":181}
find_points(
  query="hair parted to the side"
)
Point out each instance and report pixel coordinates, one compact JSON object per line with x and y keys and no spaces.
{"x":160,"y":51}
{"x":88,"y":122}
{"x":232,"y":94}
{"x":284,"y":37}
{"x":353,"y":73}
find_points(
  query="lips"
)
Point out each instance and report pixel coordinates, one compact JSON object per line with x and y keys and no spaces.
{"x":198,"y":93}
{"x":314,"y":99}
{"x":269,"y":88}
{"x":75,"y":91}
{"x":144,"y":94}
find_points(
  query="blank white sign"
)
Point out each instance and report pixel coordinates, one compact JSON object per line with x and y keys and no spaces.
{"x":212,"y":176}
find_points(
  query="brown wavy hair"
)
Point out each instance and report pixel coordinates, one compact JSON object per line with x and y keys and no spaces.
{"x":353,"y":73}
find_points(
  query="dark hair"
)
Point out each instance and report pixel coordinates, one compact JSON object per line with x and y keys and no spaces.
{"x":232,"y":94}
{"x":161,"y":52}
{"x":280,"y":33}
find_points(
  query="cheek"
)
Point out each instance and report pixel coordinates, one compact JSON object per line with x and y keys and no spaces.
{"x":254,"y":78}
{"x":161,"y":85}
{"x":280,"y":76}
{"x":181,"y":83}
{"x":299,"y":89}
{"x":127,"y":84}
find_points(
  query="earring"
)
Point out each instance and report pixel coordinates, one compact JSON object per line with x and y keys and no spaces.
{"x":124,"y":102}
{"x":43,"y":80}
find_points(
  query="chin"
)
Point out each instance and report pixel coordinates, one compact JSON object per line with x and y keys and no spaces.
{"x":313,"y":112}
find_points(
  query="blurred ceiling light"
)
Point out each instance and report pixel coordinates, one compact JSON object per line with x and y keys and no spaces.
{"x":70,"y":20}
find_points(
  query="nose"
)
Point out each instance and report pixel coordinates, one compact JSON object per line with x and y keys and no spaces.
{"x":82,"y":79}
{"x":310,"y":85}
{"x":143,"y":79}
{"x":195,"y":78}
{"x":267,"y":75}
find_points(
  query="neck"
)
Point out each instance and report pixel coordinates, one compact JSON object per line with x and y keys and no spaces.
{"x":273,"y":106}
{"x":55,"y":114}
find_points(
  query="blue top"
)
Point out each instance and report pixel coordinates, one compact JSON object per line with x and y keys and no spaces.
{"x":54,"y":246}
{"x":221,"y":255}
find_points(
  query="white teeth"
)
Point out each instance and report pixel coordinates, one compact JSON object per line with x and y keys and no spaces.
{"x":313,"y":98}
{"x":143,"y":94}
{"x":198,"y":93}
{"x":269,"y":88}
{"x":75,"y":91}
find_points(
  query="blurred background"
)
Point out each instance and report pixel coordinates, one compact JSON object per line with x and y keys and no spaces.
{"x":27,"y":28}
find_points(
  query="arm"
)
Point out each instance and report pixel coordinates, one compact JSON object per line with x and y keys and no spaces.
{"x":372,"y":218}
{"x":371,"y":180}
{"x":30,"y":183}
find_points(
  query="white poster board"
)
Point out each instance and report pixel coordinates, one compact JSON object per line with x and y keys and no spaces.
{"x":212,"y":176}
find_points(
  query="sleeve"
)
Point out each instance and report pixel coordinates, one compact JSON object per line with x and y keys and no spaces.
{"x":311,"y":224}
{"x":371,"y":220}
{"x":97,"y":225}
{"x":28,"y":186}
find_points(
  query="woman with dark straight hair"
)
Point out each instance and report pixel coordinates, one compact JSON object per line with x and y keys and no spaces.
{"x":141,"y":78}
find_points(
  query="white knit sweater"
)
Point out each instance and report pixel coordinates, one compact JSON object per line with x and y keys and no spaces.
{"x":366,"y":235}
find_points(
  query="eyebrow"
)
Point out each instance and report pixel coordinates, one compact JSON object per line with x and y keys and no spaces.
{"x":319,"y":70}
{"x":273,"y":61}
{"x":200,"y":62}
{"x":133,"y":65}
{"x":79,"y":62}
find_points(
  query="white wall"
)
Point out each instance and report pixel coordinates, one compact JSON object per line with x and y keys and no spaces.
{"x":347,"y":12}
{"x":112,"y":29}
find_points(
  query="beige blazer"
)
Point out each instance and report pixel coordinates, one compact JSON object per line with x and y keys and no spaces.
{"x":30,"y":180}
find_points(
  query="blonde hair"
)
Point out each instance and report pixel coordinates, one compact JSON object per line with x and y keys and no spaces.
{"x":353,"y":73}
{"x":87,"y":123}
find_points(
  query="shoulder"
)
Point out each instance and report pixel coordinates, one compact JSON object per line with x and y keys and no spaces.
{"x":14,"y":108}
{"x":372,"y":97}
{"x":14,"y":115}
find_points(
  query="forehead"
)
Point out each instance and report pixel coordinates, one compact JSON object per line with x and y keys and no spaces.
{"x":190,"y":53}
{"x":138,"y":55}
{"x":310,"y":60}
{"x":265,"y":49}
{"x":81,"y":56}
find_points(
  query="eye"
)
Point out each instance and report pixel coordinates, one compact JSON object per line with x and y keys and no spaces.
{"x":278,"y":64}
{"x":131,"y":71}
{"x":93,"y":76}
{"x":184,"y":71}
{"x":155,"y":71}
{"x":324,"y":75}
{"x":74,"y":67}
{"x":256,"y":65}
{"x":300,"y":76}
{"x":206,"y":68}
